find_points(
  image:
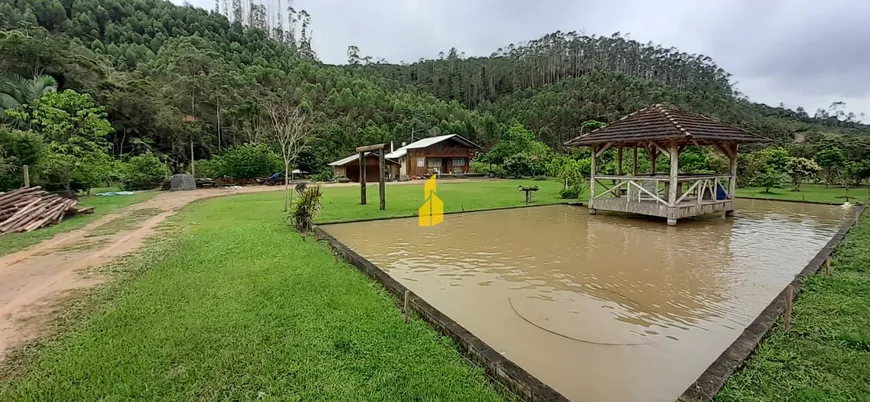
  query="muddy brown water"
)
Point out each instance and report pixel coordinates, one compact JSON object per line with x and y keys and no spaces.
{"x":605,"y":307}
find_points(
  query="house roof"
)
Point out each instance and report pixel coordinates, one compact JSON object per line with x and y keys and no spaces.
{"x":355,"y":157}
{"x":428,"y":142}
{"x":662,"y":122}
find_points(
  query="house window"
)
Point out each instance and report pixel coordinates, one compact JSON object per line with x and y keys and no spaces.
{"x":434,"y":162}
{"x":420,"y":162}
{"x":458,"y":162}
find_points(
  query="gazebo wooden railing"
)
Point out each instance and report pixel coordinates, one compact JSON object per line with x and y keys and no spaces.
{"x":662,"y":130}
{"x":698,"y":189}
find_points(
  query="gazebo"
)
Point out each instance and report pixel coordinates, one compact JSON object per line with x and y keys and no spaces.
{"x":663,"y":130}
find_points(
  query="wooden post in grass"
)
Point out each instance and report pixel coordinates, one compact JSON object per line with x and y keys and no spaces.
{"x":362,"y":178}
{"x":828,"y":266}
{"x":789,"y":301}
{"x":382,"y":181}
{"x":362,"y":172}
{"x":26,"y":170}
{"x":405,"y":309}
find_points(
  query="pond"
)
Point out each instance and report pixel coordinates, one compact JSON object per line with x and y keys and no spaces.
{"x":604,"y":307}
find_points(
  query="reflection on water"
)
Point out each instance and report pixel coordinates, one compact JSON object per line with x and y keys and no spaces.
{"x":601,"y":307}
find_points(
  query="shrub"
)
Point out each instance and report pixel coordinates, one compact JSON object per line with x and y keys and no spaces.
{"x":518,"y":165}
{"x":306,"y":208}
{"x":143,"y":172}
{"x":573,"y":191}
{"x":801,"y":169}
{"x":768,"y":178}
{"x":208,"y":168}
{"x":540,"y":178}
{"x":248,"y":161}
{"x":324,"y":175}
{"x":491,"y":170}
{"x":18,"y":148}
{"x":856,"y":172}
{"x":571,"y":171}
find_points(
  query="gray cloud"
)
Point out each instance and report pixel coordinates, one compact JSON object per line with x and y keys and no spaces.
{"x":799,"y":52}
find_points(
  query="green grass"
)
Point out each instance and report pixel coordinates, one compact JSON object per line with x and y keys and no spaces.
{"x":826,"y":353}
{"x":808,"y":193}
{"x":342,"y":203}
{"x":231,"y":304}
{"x":102,"y":206}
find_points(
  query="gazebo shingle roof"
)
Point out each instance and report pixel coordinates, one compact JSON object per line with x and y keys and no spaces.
{"x":664,"y":123}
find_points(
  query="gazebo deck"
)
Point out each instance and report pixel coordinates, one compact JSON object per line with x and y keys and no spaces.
{"x":685,"y":209}
{"x":650,"y":195}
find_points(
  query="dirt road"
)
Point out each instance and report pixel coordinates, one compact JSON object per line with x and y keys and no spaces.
{"x":35,"y":281}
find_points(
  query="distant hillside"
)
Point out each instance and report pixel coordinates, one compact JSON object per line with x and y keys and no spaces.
{"x":150,"y":63}
{"x":557,"y":82}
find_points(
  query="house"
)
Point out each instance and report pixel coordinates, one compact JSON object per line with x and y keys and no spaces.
{"x":349,"y":167}
{"x":445,"y":154}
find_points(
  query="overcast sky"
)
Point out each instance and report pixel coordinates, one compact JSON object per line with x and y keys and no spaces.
{"x":800,"y":52}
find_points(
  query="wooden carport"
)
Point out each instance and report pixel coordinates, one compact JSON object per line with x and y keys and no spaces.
{"x":664,"y":130}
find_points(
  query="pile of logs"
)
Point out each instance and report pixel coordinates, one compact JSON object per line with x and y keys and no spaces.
{"x":28,"y":209}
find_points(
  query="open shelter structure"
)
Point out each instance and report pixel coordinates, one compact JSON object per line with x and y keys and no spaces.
{"x":380,"y":150}
{"x":663,"y":130}
{"x":349,"y":167}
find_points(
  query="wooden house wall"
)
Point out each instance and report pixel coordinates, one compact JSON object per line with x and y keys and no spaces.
{"x":446,"y":150}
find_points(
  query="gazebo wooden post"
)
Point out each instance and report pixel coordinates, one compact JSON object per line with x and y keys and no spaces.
{"x":673,"y":192}
{"x":619,"y":159}
{"x":618,"y":192}
{"x":382,"y":181}
{"x":634,"y":162}
{"x":362,"y":178}
{"x":592,"y":182}
{"x":732,"y":185}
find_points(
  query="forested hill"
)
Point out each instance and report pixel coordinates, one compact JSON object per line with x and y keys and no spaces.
{"x":151,"y":64}
{"x":155,"y":66}
{"x":555,"y":83}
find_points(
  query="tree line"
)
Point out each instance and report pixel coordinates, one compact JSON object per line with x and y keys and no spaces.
{"x":554,"y":84}
{"x":186,"y":84}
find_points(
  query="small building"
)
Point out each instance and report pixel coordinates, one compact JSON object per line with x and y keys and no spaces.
{"x":445,"y":154}
{"x":349,"y":167}
{"x":663,"y":130}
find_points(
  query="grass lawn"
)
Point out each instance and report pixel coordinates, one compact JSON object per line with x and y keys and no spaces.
{"x":231,"y":304}
{"x":809,"y":193}
{"x":102,"y":205}
{"x":342,"y":203}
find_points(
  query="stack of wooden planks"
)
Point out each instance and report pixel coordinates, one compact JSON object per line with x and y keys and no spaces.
{"x":28,"y":209}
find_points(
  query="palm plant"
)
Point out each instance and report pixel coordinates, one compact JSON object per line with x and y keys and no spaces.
{"x":17,"y":92}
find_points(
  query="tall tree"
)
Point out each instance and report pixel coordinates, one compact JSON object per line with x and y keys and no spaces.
{"x":291,"y":130}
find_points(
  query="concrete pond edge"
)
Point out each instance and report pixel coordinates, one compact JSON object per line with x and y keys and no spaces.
{"x":838,"y":204}
{"x":388,"y":218}
{"x":713,"y":379}
{"x":496,"y":365}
